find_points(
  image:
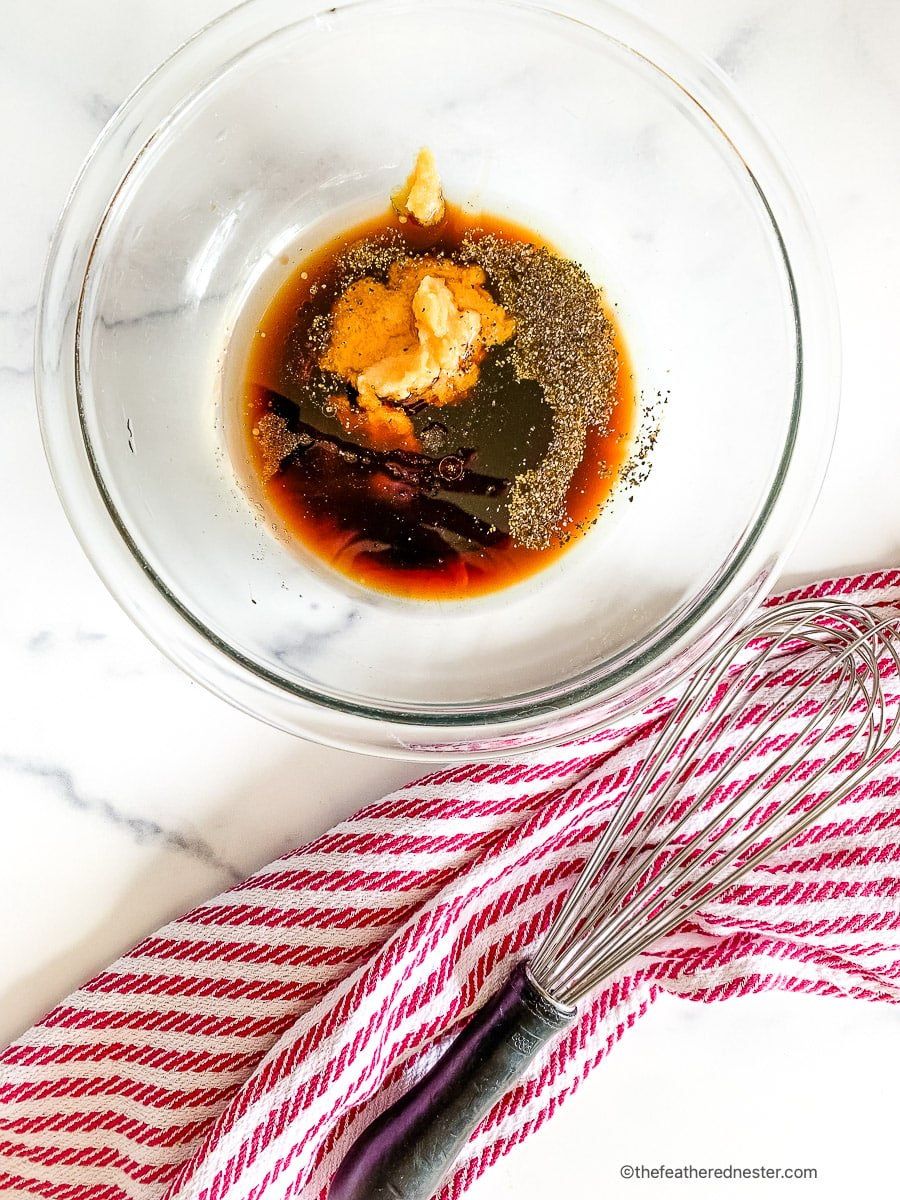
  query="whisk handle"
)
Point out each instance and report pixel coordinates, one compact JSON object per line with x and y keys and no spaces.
{"x":405,"y":1152}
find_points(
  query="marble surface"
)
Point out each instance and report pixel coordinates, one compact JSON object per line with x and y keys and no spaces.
{"x":127,"y":793}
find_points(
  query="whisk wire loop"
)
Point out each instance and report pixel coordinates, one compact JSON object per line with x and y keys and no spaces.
{"x":754,"y":738}
{"x":686,"y":829}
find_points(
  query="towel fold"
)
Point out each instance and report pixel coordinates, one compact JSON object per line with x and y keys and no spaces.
{"x":236,"y":1053}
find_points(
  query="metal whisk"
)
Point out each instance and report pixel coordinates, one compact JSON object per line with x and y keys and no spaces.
{"x":741,"y":765}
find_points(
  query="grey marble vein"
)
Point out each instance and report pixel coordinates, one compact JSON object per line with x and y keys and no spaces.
{"x":98,"y":107}
{"x":732,"y":54}
{"x":312,"y":642}
{"x":25,"y":313}
{"x":46,"y":639}
{"x":16,"y":337}
{"x":140,"y":829}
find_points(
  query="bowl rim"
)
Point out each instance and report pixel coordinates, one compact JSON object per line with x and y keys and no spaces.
{"x":533,"y":718}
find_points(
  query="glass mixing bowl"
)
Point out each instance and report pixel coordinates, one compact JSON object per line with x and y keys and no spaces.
{"x":284,"y":121}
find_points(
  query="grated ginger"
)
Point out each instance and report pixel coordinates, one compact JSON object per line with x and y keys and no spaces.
{"x":419,"y":336}
{"x":422,"y":197}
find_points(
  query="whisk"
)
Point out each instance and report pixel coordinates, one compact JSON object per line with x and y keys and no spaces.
{"x":740,"y":766}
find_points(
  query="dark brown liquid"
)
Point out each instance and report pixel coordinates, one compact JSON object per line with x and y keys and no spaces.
{"x":428,"y":525}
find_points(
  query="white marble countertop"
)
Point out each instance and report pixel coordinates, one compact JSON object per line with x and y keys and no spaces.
{"x":129,"y":793}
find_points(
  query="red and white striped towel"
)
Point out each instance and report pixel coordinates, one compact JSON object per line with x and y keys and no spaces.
{"x":238,"y":1052}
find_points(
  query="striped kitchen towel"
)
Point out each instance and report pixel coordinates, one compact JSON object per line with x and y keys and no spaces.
{"x":235,"y":1054}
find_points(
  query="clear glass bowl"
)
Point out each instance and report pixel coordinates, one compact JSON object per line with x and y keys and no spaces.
{"x":280,"y":123}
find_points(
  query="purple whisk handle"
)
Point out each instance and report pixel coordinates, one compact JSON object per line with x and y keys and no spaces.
{"x":404,"y":1153}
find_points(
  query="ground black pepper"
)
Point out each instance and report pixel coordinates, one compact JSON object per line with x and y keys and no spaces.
{"x":564,"y":342}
